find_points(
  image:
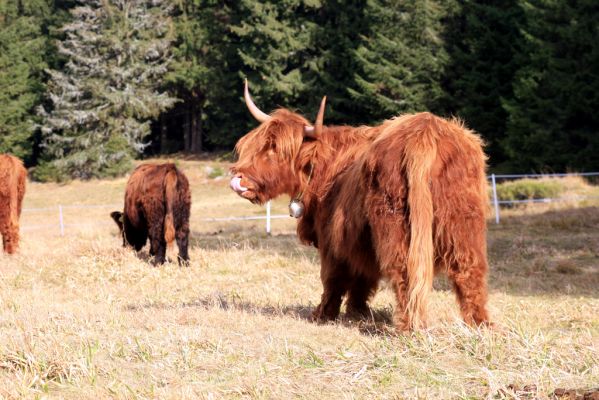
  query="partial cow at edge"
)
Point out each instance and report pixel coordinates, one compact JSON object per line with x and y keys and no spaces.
{"x":402,"y":201}
{"x":157,"y":206}
{"x":13,"y":178}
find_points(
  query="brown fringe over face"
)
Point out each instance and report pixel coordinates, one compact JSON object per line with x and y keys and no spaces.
{"x":268,"y":157}
{"x":402,"y":200}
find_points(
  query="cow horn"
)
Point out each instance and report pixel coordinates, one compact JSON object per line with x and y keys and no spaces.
{"x":316,"y":130}
{"x":254,"y":110}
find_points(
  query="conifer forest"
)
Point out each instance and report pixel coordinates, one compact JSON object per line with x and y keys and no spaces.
{"x":87,"y":86}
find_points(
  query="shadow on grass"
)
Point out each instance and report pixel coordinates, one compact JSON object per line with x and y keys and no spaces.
{"x":550,"y":253}
{"x":378,"y":322}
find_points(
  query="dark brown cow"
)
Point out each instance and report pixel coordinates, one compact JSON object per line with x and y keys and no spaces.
{"x":402,"y":201}
{"x":13,"y":177}
{"x":157,"y":205}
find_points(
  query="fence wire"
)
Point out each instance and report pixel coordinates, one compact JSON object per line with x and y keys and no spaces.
{"x":268,"y":217}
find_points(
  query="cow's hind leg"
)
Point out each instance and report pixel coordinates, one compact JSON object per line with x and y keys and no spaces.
{"x":158,"y":250}
{"x":470,"y":284}
{"x":157,"y":242}
{"x":182,"y":234}
{"x":4,"y":233}
{"x":399,"y":282}
{"x":391,"y":244}
{"x":183,"y":244}
{"x":10,"y":238}
{"x":335,"y":282}
{"x":468,"y":273}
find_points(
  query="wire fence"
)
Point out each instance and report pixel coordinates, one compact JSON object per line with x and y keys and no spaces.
{"x":61,"y":226}
{"x":497,"y":202}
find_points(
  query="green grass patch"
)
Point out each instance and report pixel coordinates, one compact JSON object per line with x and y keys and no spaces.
{"x":216,"y":172}
{"x":526,"y":189}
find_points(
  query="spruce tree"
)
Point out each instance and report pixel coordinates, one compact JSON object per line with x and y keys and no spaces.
{"x":108,"y":92}
{"x":188,"y":77}
{"x":221,"y":42}
{"x":274,"y":38}
{"x":339,"y":29}
{"x":483,"y":39}
{"x":23,"y":48}
{"x":401,"y":60}
{"x":553,"y":122}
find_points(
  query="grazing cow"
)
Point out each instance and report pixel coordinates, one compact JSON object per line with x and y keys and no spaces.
{"x":157,"y":204}
{"x":13,"y":177}
{"x":401,"y":201}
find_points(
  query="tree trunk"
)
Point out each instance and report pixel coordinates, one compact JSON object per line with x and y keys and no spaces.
{"x":187,"y":131}
{"x":196,"y":125}
{"x":163,"y":137}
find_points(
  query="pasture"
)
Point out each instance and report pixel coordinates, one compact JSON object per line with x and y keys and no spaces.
{"x":83,"y":318}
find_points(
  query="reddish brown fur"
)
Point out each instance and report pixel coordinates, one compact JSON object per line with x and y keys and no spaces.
{"x":402,"y":201}
{"x":157,"y":205}
{"x":13,"y":177}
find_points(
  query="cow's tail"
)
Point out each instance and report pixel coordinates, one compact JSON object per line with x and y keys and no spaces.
{"x":420,"y":155}
{"x":170,"y":195}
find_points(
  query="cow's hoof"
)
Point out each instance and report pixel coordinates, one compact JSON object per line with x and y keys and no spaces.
{"x":320,"y":317}
{"x":358,"y":313}
{"x":183,"y":262}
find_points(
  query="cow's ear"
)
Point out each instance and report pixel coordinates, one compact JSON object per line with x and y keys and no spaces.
{"x":117,"y":216}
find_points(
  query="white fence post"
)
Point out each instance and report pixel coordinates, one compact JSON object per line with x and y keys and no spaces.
{"x":495,"y":200}
{"x":268,"y":217}
{"x":61,"y":220}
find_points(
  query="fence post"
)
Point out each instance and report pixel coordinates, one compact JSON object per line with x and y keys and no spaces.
{"x":495,"y":201}
{"x":268,"y":217}
{"x":61,"y":220}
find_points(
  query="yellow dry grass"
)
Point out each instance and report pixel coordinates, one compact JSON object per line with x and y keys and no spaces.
{"x":82,"y":318}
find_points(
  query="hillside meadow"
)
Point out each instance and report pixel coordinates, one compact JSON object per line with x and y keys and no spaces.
{"x":83,"y":318}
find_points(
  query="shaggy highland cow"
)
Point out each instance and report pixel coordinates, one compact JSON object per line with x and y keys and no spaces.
{"x":157,"y":204}
{"x":402,"y":201}
{"x":13,"y":177}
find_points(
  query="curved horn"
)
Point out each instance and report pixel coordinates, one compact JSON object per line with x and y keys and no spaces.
{"x":254,"y":110}
{"x":316,"y":130}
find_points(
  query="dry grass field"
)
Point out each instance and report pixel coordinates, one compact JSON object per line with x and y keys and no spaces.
{"x":83,"y":318}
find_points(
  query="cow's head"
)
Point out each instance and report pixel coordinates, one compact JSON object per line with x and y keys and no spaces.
{"x":119,"y":219}
{"x":271,"y":162}
{"x":134,"y":237}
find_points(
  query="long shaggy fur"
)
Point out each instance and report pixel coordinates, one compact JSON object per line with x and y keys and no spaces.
{"x":13,"y":178}
{"x":402,"y":201}
{"x":157,"y":205}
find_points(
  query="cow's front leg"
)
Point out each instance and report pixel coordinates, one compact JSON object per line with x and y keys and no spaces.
{"x":335,"y":283}
{"x":360,"y":291}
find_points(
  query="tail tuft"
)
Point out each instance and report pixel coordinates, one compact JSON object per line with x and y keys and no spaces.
{"x":170,"y":192}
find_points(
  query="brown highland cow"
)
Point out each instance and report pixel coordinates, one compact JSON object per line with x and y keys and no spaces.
{"x":157,"y":204}
{"x":13,"y":177}
{"x":401,"y":201}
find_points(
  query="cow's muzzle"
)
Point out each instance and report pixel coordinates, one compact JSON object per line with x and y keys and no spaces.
{"x":236,"y":185}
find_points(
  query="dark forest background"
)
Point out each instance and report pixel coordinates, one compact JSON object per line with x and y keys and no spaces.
{"x":88,"y":85}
